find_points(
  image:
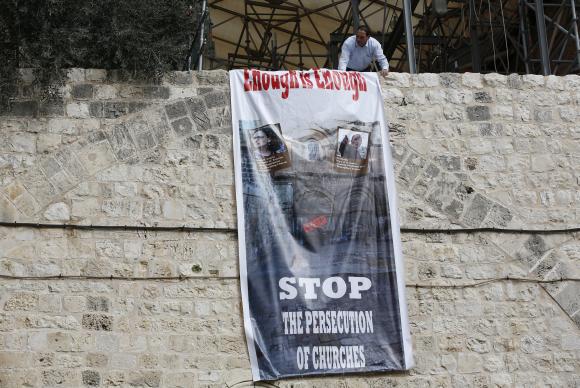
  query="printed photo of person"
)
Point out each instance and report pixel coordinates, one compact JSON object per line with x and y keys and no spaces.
{"x":352,"y":150}
{"x":267,"y":142}
{"x":269,"y":148}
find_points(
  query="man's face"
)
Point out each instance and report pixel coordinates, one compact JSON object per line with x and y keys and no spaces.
{"x":260,"y":139}
{"x":361,"y":38}
{"x":355,"y":141}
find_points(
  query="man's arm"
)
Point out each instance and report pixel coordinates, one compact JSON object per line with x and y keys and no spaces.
{"x":344,"y":55}
{"x":380,"y":56}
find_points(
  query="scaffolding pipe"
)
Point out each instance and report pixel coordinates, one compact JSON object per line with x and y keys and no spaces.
{"x":202,"y":36}
{"x":542,"y":39}
{"x":474,"y":35}
{"x":409,"y":36}
{"x":577,"y":38}
{"x":355,"y":16}
{"x":524,"y":35}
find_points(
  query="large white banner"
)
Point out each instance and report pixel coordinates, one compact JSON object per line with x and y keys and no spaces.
{"x":320,"y":253}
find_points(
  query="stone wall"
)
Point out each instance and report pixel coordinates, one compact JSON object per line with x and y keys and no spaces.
{"x":471,"y":151}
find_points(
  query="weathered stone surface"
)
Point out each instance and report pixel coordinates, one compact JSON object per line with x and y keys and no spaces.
{"x":57,"y":212}
{"x":82,"y":91}
{"x":182,"y":127}
{"x":176,"y":110}
{"x":97,"y":322}
{"x":470,"y":151}
{"x":24,"y":108}
{"x":478,"y":113}
{"x":477,"y":211}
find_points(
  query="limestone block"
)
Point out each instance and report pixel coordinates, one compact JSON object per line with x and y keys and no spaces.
{"x":476,"y":212}
{"x":555,"y":83}
{"x":450,"y":80}
{"x":398,"y":80}
{"x":79,"y":110}
{"x":21,"y":142}
{"x":542,"y":162}
{"x":95,"y":75}
{"x":21,"y":301}
{"x":97,"y":322}
{"x":57,"y":212}
{"x":50,"y":303}
{"x":393,"y":95}
{"x":495,"y":80}
{"x":425,"y":80}
{"x":85,"y":207}
{"x":82,"y":91}
{"x":182,"y":78}
{"x":96,"y":157}
{"x":124,"y":360}
{"x":173,"y":210}
{"x":156,"y":92}
{"x":105,"y":92}
{"x":91,"y":377}
{"x":472,"y":80}
{"x":482,"y":96}
{"x":76,"y":74}
{"x":453,"y":113}
{"x":478,"y":113}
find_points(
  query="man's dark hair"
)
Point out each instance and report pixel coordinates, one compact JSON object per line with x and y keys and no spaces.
{"x":365,"y":29}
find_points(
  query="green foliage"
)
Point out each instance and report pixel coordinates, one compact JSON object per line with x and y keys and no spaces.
{"x":141,"y":38}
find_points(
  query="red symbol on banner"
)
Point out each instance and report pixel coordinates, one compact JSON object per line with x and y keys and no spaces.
{"x":315,"y":223}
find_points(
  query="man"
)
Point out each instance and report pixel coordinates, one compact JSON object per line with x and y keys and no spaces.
{"x":358,"y":51}
{"x":354,"y":151}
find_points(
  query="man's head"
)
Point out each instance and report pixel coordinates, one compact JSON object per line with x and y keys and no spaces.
{"x":362,"y":35}
{"x":356,"y":141}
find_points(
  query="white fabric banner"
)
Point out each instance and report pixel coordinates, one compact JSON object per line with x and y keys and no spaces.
{"x":321,"y":268}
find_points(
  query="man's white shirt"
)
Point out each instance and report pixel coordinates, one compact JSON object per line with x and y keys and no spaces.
{"x":359,"y":58}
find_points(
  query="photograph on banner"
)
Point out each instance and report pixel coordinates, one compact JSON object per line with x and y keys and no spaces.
{"x":270,"y":150}
{"x":352,"y":151}
{"x":320,"y":260}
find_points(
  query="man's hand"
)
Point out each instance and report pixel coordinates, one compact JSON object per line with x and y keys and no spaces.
{"x":385,"y":73}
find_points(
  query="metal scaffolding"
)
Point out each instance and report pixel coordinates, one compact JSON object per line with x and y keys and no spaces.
{"x":503,"y":36}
